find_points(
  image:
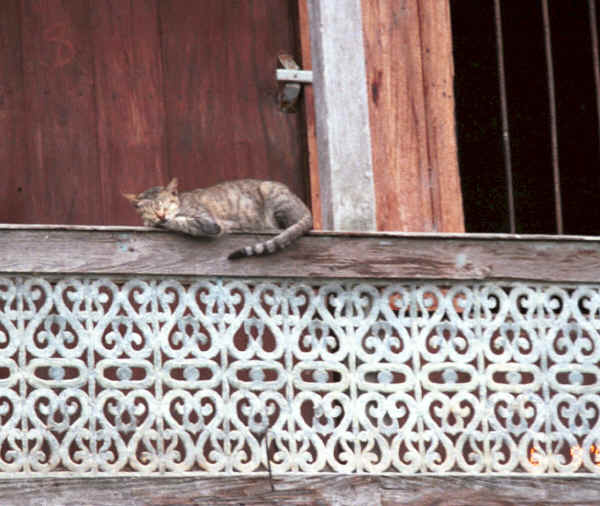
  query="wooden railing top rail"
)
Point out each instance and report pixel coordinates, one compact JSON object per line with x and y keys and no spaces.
{"x":140,"y":250}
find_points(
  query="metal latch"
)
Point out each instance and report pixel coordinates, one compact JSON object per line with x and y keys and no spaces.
{"x":293,"y":77}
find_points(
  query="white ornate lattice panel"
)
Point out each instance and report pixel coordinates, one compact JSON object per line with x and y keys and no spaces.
{"x":185,"y":376}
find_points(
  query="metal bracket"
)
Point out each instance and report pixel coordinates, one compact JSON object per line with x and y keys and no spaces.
{"x":293,"y":78}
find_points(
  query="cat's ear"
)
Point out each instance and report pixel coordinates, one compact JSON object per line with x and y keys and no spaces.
{"x":132,"y":197}
{"x":172,"y":186}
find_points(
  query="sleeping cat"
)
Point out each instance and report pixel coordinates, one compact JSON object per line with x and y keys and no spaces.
{"x":245,"y":205}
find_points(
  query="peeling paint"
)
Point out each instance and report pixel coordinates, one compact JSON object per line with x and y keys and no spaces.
{"x":461,"y":260}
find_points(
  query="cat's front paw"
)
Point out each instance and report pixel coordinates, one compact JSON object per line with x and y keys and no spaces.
{"x":208,"y":228}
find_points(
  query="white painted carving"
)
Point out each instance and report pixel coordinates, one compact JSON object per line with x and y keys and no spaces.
{"x":179,"y":376}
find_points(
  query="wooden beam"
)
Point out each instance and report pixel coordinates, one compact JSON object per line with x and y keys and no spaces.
{"x":309,"y":117}
{"x":141,"y":251}
{"x":342,"y":115}
{"x":304,"y":490}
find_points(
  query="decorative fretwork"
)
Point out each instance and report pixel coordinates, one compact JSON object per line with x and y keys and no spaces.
{"x":179,"y":376}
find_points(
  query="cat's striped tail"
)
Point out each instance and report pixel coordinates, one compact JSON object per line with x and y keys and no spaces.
{"x":278,"y":242}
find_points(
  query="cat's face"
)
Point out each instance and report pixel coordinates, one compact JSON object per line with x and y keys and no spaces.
{"x":156,"y":205}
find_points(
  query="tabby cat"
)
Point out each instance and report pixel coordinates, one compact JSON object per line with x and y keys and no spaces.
{"x":245,"y":205}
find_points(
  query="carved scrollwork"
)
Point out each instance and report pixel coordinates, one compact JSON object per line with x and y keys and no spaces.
{"x":177,"y":376}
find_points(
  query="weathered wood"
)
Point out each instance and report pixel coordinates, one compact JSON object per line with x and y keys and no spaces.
{"x":309,"y":118}
{"x":61,"y":166}
{"x":304,"y":490}
{"x":438,"y":81}
{"x":321,"y":255}
{"x":129,"y":94}
{"x":397,"y":113}
{"x":342,"y":115}
{"x":411,"y":106}
{"x":13,"y":190}
{"x":223,"y":120}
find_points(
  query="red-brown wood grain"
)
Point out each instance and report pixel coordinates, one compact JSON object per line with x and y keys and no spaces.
{"x":438,"y":80}
{"x":309,"y":117}
{"x":130,"y":105}
{"x":13,"y":201}
{"x":411,"y":111}
{"x":397,"y":115}
{"x":61,"y":152}
{"x":103,"y":96}
{"x":223,"y":120}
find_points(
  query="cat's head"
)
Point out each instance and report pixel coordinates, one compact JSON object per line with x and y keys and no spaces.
{"x":157,"y":204}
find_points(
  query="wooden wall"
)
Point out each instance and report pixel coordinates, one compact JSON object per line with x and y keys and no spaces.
{"x":410,"y":80}
{"x":410,"y":76}
{"x":103,"y":96}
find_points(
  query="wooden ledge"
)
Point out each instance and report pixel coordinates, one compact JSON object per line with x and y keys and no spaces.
{"x":305,"y":490}
{"x":64,"y":249}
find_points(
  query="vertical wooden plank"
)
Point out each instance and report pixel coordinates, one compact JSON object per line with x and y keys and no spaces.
{"x":342,"y":115}
{"x":438,"y":78}
{"x":223,"y":121}
{"x":61,"y":168}
{"x":309,"y":117}
{"x":13,"y":197}
{"x":130,"y":102}
{"x":410,"y":73}
{"x":397,"y":112}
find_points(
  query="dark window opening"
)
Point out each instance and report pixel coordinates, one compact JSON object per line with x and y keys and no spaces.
{"x":478,"y":117}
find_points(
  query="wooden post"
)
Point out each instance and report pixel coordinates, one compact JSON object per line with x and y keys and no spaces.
{"x":438,"y":87}
{"x":342,"y":115}
{"x":410,"y":78}
{"x":309,"y":117}
{"x":411,"y":103}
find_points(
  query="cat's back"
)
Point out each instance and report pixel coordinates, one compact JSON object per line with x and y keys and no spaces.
{"x":247,"y":187}
{"x":232,"y":191}
{"x":243,"y":203}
